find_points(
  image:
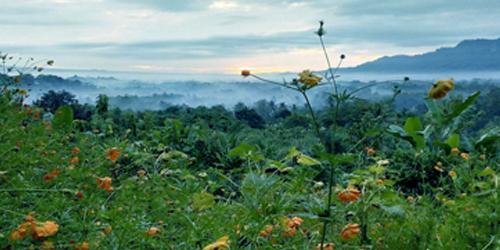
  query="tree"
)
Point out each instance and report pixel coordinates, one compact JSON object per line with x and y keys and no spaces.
{"x":102,"y":104}
{"x":52,"y":100}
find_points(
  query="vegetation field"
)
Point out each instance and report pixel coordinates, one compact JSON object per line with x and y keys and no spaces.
{"x":354,"y":174}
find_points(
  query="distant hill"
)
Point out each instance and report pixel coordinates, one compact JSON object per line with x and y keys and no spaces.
{"x":468,"y":55}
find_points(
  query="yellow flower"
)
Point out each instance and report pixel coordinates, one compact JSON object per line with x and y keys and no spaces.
{"x":309,"y":79}
{"x":452,"y":174}
{"x":455,"y":151}
{"x":441,"y":88}
{"x":220,"y":244}
{"x":83,"y":246}
{"x":152,"y":231}
{"x":464,"y":156}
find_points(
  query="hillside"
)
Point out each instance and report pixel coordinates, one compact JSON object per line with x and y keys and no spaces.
{"x":468,"y":55}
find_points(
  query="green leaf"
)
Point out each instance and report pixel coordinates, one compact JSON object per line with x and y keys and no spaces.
{"x":413,"y":125}
{"x":396,"y":210}
{"x":487,"y":171}
{"x":63,"y":118}
{"x":203,"y":201}
{"x":488,"y":138}
{"x":460,"y":108}
{"x":301,"y":158}
{"x":242,"y":151}
{"x":453,"y":141}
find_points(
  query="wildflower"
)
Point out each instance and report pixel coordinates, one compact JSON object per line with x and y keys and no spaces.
{"x":107,"y":230}
{"x":267,"y":231}
{"x":464,"y":156}
{"x":113,"y":154}
{"x":291,"y":226}
{"x":349,"y":194}
{"x":370,"y":151}
{"x":105,"y":183}
{"x":455,"y":151}
{"x":141,"y":173}
{"x":410,"y":199}
{"x":309,"y":79}
{"x":79,"y":195}
{"x":380,"y":182}
{"x":482,"y":157}
{"x":350,"y":231}
{"x":47,"y":229}
{"x":452,"y":174}
{"x":327,"y":246}
{"x":152,"y":231}
{"x":245,"y":72}
{"x":74,"y":160}
{"x":83,"y":246}
{"x":441,"y":88}
{"x":50,"y":176}
{"x":220,"y":244}
{"x":75,"y":150}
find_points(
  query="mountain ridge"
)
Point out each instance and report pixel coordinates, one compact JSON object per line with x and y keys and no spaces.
{"x":468,"y":55}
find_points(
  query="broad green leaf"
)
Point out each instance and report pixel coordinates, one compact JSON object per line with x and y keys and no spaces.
{"x":203,"y":201}
{"x":487,"y":171}
{"x":453,"y":141}
{"x":63,"y":118}
{"x":488,"y":138}
{"x":413,"y":125}
{"x":460,"y":108}
{"x":301,"y":158}
{"x":242,"y":150}
{"x":396,"y":210}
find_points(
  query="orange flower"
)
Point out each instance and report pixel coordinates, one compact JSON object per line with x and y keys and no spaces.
{"x":152,"y":231}
{"x":83,"y":246}
{"x":75,"y":150}
{"x":46,"y":229}
{"x":350,"y":194}
{"x":327,"y":246}
{"x":291,"y":226}
{"x":74,"y":160}
{"x":113,"y":154}
{"x":464,"y":156}
{"x":105,"y":183}
{"x":455,"y":151}
{"x":79,"y":195}
{"x":245,"y":72}
{"x":452,"y":174}
{"x":50,"y":176}
{"x":370,"y":151}
{"x":267,"y":231}
{"x":350,"y":231}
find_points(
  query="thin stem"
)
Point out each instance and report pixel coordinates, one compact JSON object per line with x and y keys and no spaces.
{"x":329,"y":65}
{"x":272,"y":82}
{"x":315,"y":121}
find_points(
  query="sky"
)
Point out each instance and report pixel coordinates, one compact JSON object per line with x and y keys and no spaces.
{"x":224,"y":36}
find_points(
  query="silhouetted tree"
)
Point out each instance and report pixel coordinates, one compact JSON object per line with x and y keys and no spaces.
{"x":52,"y":100}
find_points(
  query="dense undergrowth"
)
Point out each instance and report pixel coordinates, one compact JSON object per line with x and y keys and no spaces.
{"x":207,"y":178}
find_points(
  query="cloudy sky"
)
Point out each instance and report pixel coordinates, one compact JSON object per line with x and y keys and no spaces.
{"x":222,"y":36}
